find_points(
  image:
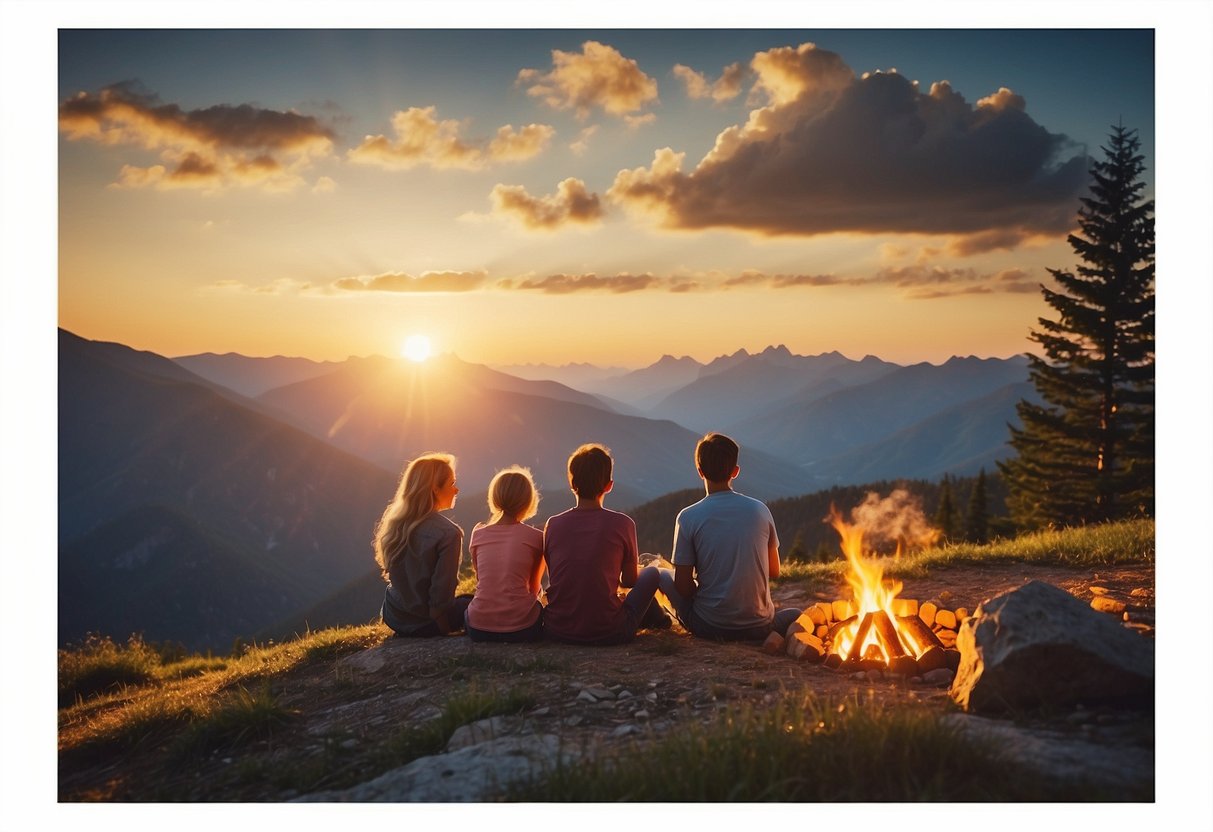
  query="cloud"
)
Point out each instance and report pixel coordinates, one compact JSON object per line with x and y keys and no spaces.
{"x":831,"y":152}
{"x":635,"y":122}
{"x":924,"y":282}
{"x":324,"y":185}
{"x":598,"y":77}
{"x":725,"y":88}
{"x":582,"y":144}
{"x":749,"y":279}
{"x":571,"y":203}
{"x":623,"y":283}
{"x":421,"y":139}
{"x":445,"y":281}
{"x":209,"y":148}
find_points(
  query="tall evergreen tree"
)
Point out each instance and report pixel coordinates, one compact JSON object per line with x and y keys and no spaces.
{"x":977,"y":517}
{"x":1087,"y":453}
{"x":945,"y":515}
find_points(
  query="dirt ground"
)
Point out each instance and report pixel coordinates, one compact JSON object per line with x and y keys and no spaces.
{"x":592,"y":697}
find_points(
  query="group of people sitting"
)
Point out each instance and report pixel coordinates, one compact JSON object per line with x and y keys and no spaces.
{"x":725,"y":553}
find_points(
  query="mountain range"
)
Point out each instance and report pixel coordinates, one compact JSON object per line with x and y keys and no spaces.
{"x":211,"y":497}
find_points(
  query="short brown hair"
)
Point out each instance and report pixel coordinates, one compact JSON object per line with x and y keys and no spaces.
{"x":716,"y":457}
{"x":590,"y":470}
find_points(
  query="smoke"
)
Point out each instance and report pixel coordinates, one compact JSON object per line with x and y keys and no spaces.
{"x":897,"y":519}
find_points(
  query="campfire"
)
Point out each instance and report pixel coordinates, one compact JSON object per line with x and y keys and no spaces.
{"x":875,"y":629}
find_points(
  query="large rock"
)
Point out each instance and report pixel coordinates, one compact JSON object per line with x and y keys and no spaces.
{"x":1039,"y":645}
{"x":473,"y":773}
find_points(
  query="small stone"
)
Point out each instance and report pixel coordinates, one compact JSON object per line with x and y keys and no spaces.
{"x":641,"y":714}
{"x":599,"y":693}
{"x":652,"y":697}
{"x":1140,"y":592}
{"x":615,"y":687}
{"x":349,"y":744}
{"x":1099,"y":590}
{"x":875,"y":676}
{"x":544,"y":711}
{"x":625,"y":694}
{"x":572,"y":721}
{"x":624,"y":730}
{"x":227,"y":761}
{"x":654,"y":683}
{"x":940,"y":677}
{"x":586,"y":696}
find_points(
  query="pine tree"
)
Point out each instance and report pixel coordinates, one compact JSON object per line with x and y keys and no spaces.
{"x":1087,"y":454}
{"x":945,"y":515}
{"x":977,"y":518}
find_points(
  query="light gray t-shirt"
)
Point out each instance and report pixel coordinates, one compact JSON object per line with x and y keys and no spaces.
{"x":725,"y":536}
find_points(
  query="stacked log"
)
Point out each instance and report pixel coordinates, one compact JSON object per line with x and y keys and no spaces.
{"x":932,"y":625}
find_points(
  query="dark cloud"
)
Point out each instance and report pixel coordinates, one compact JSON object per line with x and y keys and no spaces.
{"x":209,"y":147}
{"x":832,"y":152}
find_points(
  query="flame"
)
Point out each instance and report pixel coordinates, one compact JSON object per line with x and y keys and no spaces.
{"x":871,"y":593}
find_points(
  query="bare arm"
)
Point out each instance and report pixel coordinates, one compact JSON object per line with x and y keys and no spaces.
{"x":630,"y":567}
{"x":772,"y":558}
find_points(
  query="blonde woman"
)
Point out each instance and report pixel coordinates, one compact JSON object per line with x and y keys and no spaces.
{"x":418,"y":551}
{"x":508,"y":557}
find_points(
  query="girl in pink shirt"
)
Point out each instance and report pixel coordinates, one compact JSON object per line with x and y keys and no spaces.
{"x":507,"y":555}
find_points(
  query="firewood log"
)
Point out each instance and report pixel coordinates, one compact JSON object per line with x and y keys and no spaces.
{"x":806,"y":646}
{"x":773,"y":646}
{"x":935,"y":657}
{"x":946,"y":618}
{"x":843,"y":609}
{"x":827,"y":609}
{"x":905,"y":606}
{"x":887,"y":633}
{"x":947,"y":638}
{"x":905,"y":665}
{"x":838,"y":626}
{"x":822,"y":632}
{"x":833,"y":661}
{"x":921,"y":632}
{"x":815,"y":614}
{"x":862,"y":633}
{"x":926,"y":612}
{"x":952,"y":655}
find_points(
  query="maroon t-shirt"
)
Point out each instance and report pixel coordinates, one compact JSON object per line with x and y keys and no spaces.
{"x":586,"y":550}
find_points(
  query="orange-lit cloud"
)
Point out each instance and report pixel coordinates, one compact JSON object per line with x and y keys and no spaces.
{"x":209,"y":148}
{"x":582,"y":143}
{"x":571,"y":203}
{"x":565,"y":284}
{"x":830,"y":152}
{"x":725,"y":88}
{"x":447,"y":281}
{"x":422,"y":139}
{"x":598,"y":77}
{"x":753,"y":279}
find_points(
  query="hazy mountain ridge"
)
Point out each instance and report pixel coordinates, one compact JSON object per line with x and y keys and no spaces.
{"x":387,"y":412}
{"x":276,"y":498}
{"x":252,"y":376}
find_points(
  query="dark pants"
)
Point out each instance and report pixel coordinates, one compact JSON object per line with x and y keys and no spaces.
{"x":455,"y":615}
{"x":531,"y":633}
{"x":684,"y":608}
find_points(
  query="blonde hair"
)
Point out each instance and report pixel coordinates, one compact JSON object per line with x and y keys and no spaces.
{"x":512,"y":493}
{"x":414,"y":501}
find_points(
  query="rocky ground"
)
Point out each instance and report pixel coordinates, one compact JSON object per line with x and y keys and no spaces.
{"x":590,"y":699}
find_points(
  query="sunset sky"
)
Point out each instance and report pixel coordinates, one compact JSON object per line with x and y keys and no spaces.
{"x":179,"y":186}
{"x":606,"y":195}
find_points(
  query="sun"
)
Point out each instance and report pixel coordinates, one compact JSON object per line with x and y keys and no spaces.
{"x":416,"y":348}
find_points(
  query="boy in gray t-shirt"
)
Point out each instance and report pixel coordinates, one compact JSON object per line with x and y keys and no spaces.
{"x":726,"y":551}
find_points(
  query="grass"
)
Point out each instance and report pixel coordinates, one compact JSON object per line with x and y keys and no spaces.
{"x":1107,"y":544}
{"x":239,"y":718}
{"x":166,"y":698}
{"x":99,"y":666}
{"x":806,"y":749}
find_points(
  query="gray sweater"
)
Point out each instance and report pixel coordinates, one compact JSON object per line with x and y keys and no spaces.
{"x":422,"y":582}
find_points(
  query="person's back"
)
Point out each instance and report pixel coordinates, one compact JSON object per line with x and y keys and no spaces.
{"x":726,"y":537}
{"x":508,"y":560}
{"x":587,"y":550}
{"x":590,"y":552}
{"x":725,"y":553}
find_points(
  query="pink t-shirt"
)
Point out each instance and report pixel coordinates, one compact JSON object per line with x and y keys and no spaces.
{"x":505,"y":557}
{"x":586,"y":551}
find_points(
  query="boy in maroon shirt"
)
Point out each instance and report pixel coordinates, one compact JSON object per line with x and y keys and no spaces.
{"x":590,"y":552}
